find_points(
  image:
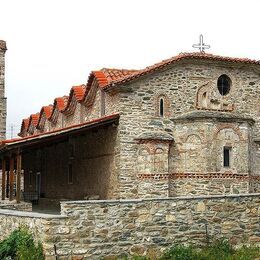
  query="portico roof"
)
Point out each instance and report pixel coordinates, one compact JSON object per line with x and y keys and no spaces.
{"x":58,"y":134}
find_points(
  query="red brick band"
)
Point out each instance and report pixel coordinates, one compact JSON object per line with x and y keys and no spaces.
{"x":215,"y":175}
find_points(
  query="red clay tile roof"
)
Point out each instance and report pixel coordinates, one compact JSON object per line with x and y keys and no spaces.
{"x":47,"y":110}
{"x":175,"y":59}
{"x":25,"y":124}
{"x":105,"y":76}
{"x":78,"y":92}
{"x":100,"y":77}
{"x":115,"y":74}
{"x":60,"y":102}
{"x":34,"y":118}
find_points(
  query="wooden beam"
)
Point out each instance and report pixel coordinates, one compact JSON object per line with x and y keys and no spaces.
{"x":11,"y":179}
{"x":18,"y":180}
{"x":3,"y":178}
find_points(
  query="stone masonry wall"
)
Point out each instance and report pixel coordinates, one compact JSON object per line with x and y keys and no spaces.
{"x":12,"y":205}
{"x":1,"y":182}
{"x":37,"y":223}
{"x":231,"y":120}
{"x":2,"y":91}
{"x":254,"y":185}
{"x":208,"y":186}
{"x":96,"y":229}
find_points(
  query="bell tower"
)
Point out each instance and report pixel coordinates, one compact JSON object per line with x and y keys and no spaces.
{"x":2,"y":91}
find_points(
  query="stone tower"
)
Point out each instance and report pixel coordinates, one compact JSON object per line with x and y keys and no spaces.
{"x":2,"y":90}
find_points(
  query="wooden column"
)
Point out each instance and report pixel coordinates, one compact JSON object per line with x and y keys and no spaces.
{"x":3,"y":178}
{"x":18,"y":180}
{"x":11,"y":179}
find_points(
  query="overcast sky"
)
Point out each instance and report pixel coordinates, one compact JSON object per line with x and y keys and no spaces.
{"x":54,"y":44}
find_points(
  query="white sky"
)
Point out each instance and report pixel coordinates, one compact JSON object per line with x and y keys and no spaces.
{"x":54,"y":44}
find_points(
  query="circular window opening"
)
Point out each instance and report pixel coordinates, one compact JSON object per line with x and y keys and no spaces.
{"x":224,"y":83}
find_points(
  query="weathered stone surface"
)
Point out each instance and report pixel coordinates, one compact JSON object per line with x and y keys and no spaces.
{"x":170,"y":218}
{"x":142,"y":226}
{"x":137,"y":250}
{"x":23,"y":206}
{"x":201,"y":206}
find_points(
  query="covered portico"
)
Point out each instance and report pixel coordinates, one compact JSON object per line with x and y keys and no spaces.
{"x":72,"y":163}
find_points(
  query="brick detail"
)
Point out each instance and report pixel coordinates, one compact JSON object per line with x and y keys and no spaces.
{"x":226,"y":126}
{"x":216,"y":175}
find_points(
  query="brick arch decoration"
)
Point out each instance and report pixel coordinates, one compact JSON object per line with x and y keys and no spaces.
{"x":151,"y":146}
{"x":166,"y":105}
{"x":201,"y":136}
{"x":193,"y":135}
{"x":154,"y":158}
{"x":227,"y":126}
{"x":142,"y":149}
{"x":154,"y":145}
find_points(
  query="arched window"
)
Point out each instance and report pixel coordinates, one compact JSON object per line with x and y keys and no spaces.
{"x":226,"y":156}
{"x":224,"y":84}
{"x":161,"y":107}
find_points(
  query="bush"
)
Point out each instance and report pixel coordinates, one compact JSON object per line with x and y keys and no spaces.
{"x":247,"y":253}
{"x":218,"y":250}
{"x":179,"y":252}
{"x":20,"y":246}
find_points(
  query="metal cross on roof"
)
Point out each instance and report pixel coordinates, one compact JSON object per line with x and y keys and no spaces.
{"x":201,"y":45}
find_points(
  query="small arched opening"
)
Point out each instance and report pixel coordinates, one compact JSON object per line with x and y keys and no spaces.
{"x":161,"y":107}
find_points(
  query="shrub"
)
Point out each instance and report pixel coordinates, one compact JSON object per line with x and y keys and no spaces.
{"x":139,"y":258}
{"x":217,"y":250}
{"x":179,"y":252}
{"x":247,"y":253}
{"x":20,"y":246}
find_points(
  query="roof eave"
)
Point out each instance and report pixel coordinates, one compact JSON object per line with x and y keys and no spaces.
{"x":58,"y":134}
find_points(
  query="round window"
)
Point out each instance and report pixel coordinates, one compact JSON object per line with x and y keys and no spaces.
{"x":224,"y":84}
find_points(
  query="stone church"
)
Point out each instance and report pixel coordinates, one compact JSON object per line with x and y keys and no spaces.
{"x":188,"y":125}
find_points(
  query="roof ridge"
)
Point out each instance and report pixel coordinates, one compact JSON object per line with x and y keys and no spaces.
{"x":179,"y":57}
{"x":120,"y":69}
